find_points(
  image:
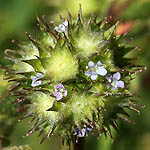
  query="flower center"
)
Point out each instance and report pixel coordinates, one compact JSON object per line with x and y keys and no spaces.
{"x":94,"y":69}
{"x":61,"y":91}
{"x":114,"y":83}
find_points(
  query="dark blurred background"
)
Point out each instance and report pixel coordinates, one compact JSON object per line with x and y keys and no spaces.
{"x":19,"y":16}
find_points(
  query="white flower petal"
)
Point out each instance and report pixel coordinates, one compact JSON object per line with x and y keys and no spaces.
{"x":33,"y":78}
{"x":36,"y":83}
{"x":88,"y":73}
{"x":116,"y":76}
{"x":65,"y":23}
{"x":91,"y":64}
{"x":114,"y":88}
{"x":99,"y":64}
{"x":65,"y":93}
{"x":89,"y":129}
{"x":39,"y":75}
{"x":82,"y":133}
{"x":62,"y":27}
{"x":94,"y":76}
{"x":120,"y":84}
{"x":109,"y":78}
{"x":101,"y":71}
{"x":57,"y":29}
{"x":59,"y":97}
{"x":108,"y":84}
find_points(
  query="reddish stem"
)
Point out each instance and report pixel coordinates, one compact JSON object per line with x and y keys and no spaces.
{"x":80,"y":144}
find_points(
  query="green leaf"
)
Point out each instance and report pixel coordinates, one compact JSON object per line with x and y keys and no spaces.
{"x":36,"y":64}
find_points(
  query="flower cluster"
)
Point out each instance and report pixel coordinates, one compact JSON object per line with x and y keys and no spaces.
{"x":60,"y":91}
{"x":83,"y":132}
{"x":98,"y":69}
{"x":36,"y":79}
{"x":114,"y":81}
{"x":74,"y":79}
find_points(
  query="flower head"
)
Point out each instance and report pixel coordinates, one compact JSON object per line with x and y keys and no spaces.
{"x":60,"y":91}
{"x":35,"y":79}
{"x":61,"y":54}
{"x":95,"y":70}
{"x":83,"y":132}
{"x":62,"y":27}
{"x":114,"y":81}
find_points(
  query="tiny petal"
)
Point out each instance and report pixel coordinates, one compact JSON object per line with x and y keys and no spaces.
{"x":120,"y":84}
{"x":82,"y":133}
{"x":101,"y":71}
{"x":76,"y":130}
{"x":57,"y":29}
{"x":36,"y":83}
{"x":65,"y":93}
{"x":59,"y":97}
{"x":34,"y":78}
{"x":58,"y":86}
{"x":91,"y":64}
{"x":88,"y":73}
{"x":55,"y":86}
{"x":108,"y":84}
{"x":109,"y":78}
{"x":79,"y":134}
{"x":94,"y":76}
{"x":56,"y":94}
{"x":99,"y":64}
{"x":89,"y":129}
{"x":61,"y":86}
{"x":39,"y":75}
{"x":116,"y":76}
{"x":62,"y":27}
{"x":114,"y":88}
{"x":65,"y":23}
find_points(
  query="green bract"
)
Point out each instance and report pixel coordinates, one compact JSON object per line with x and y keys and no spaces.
{"x":74,"y":78}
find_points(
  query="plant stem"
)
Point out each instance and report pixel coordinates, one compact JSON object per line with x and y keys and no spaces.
{"x":80,"y":144}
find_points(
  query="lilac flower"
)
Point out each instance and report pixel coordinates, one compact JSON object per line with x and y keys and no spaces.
{"x":95,"y":70}
{"x":35,"y":79}
{"x":60,"y":91}
{"x":62,"y":27}
{"x":114,"y":81}
{"x":83,"y":132}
